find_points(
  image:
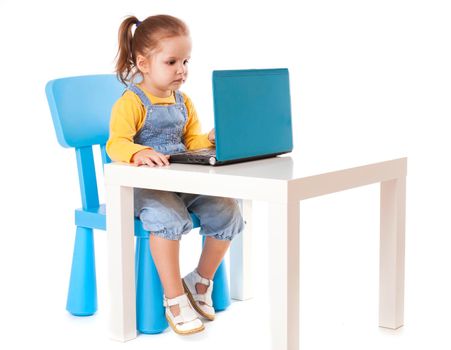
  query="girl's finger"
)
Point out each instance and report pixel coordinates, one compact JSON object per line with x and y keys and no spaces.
{"x":156,"y":160}
{"x":164,"y":159}
{"x":149,"y":162}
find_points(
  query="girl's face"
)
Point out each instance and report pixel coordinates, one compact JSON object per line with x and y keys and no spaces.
{"x":167,"y":69}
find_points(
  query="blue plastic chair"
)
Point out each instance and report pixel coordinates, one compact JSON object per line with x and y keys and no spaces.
{"x":80,"y":109}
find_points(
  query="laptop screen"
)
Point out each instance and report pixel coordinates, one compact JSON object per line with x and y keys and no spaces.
{"x":252,"y":113}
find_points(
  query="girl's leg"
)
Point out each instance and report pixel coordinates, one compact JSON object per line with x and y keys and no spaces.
{"x":213,"y":252}
{"x":164,"y":215}
{"x":221,"y":220}
{"x":165,"y":253}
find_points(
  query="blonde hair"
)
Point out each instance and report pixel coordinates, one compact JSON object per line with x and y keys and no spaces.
{"x":144,"y":41}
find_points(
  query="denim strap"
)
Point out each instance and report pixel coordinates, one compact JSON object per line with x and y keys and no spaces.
{"x":179,"y":97}
{"x":142,"y":96}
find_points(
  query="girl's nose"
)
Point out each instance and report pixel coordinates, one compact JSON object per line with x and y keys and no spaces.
{"x":181,"y":68}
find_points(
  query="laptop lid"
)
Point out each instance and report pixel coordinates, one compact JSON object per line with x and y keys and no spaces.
{"x":252,"y":113}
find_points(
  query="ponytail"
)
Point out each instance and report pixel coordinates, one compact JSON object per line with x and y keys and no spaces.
{"x":125,"y":58}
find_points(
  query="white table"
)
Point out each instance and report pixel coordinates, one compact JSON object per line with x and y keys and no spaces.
{"x":282,"y":182}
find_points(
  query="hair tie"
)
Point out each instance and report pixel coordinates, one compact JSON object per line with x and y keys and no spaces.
{"x":138,"y":23}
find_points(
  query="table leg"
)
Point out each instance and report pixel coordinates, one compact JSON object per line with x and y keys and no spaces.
{"x":241,"y":258}
{"x":392,"y":245}
{"x":121,"y":267}
{"x":284,"y":274}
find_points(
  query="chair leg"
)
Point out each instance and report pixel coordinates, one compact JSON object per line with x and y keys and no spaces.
{"x":221,"y":293}
{"x":150,"y":318}
{"x":82,"y":296}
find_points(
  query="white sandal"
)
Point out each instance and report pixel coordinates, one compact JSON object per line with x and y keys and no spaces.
{"x":189,"y":283}
{"x":187,"y":321}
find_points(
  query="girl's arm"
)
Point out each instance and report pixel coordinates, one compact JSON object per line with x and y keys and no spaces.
{"x":127,"y":117}
{"x":193,"y":136}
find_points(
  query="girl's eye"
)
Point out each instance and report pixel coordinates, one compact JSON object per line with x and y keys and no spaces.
{"x":173,"y":62}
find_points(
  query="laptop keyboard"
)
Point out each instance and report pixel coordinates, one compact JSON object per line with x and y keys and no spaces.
{"x":210,"y":152}
{"x":199,"y":156}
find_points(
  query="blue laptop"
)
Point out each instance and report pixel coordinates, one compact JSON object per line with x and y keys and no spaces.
{"x":252,"y":112}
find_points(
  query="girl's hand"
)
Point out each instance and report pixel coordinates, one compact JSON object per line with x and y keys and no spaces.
{"x":212,"y":136}
{"x":150,"y":157}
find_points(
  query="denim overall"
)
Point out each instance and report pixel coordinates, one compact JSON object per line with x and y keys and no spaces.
{"x":164,"y":213}
{"x":163,"y":127}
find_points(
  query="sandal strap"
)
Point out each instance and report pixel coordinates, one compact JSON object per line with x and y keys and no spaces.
{"x":187,"y":313}
{"x":200,"y":279}
{"x":193,"y":278}
{"x":181,"y":300}
{"x":185,"y":317}
{"x":206,"y":298}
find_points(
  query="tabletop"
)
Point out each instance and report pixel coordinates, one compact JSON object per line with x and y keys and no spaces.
{"x":260,"y":179}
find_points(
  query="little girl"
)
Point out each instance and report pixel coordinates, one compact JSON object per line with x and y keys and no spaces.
{"x":151,"y":121}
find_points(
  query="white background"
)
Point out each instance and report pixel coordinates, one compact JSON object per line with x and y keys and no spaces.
{"x":370,"y":80}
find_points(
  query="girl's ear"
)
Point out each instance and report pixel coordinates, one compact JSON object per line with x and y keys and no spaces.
{"x":142,"y":63}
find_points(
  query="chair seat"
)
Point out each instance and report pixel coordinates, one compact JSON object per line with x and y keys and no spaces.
{"x":95,"y":218}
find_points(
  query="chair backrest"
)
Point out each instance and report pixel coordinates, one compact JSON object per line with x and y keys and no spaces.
{"x":80,"y":109}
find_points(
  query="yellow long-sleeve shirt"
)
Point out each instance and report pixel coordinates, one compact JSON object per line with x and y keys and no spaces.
{"x":128,"y":116}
